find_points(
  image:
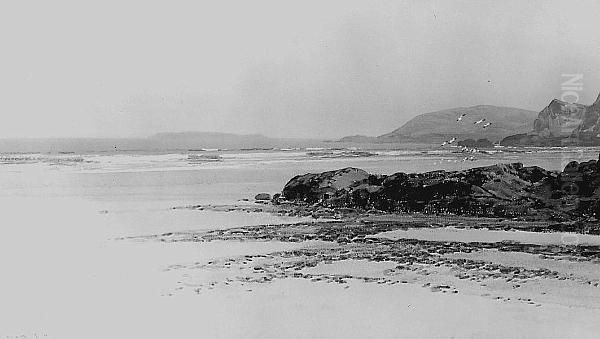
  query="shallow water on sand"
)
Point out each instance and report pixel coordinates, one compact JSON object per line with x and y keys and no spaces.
{"x":65,"y":276}
{"x":482,"y":235}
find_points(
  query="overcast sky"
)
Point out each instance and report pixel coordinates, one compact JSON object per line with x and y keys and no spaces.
{"x":296,"y":69}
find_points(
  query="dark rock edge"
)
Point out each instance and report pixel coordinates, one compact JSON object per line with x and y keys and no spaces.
{"x":507,"y":191}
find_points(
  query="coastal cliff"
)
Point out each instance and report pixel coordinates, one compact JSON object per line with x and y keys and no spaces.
{"x":562,"y":124}
{"x":503,"y":190}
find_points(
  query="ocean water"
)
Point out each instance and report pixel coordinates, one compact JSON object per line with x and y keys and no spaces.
{"x":65,"y":276}
{"x":136,"y":191}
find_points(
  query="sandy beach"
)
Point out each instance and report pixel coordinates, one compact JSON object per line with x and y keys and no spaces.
{"x":284,"y":169}
{"x":96,"y":254}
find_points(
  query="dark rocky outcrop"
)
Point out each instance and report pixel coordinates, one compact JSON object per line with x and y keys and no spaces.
{"x":262,"y":196}
{"x":562,"y":124}
{"x":479,"y":143}
{"x":503,"y":190}
{"x":312,"y":188}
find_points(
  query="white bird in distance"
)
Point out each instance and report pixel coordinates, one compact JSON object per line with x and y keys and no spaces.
{"x":478,"y":121}
{"x":449,"y":142}
{"x":461,"y":117}
{"x":487,"y":124}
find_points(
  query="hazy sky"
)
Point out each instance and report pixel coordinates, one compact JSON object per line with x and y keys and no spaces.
{"x":298,"y":69}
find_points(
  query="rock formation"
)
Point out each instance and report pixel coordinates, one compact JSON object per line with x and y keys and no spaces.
{"x":562,"y":124}
{"x":503,"y":190}
{"x":262,"y":196}
{"x":479,"y":143}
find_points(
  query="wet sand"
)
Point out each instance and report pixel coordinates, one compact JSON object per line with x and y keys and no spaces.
{"x":65,"y":274}
{"x":458,"y":282}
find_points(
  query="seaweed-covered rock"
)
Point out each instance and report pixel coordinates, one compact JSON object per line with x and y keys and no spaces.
{"x":502,"y":190}
{"x":316,"y":187}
